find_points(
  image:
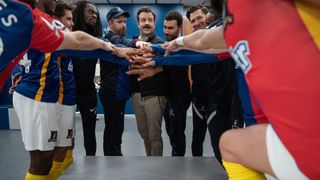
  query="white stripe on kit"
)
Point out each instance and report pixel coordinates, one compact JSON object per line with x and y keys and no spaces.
{"x":197,"y":112}
{"x":211,"y":116}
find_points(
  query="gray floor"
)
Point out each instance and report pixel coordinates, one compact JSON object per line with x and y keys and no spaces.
{"x":14,"y":159}
{"x":146,"y":168}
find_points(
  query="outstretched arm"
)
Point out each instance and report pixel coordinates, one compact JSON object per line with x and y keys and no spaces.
{"x":82,"y":41}
{"x":200,"y":40}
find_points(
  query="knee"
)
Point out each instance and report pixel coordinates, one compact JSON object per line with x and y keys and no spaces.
{"x":155,"y":137}
{"x":143,"y":132}
{"x":226,"y":146}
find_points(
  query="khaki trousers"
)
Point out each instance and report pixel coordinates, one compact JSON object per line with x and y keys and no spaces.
{"x":149,"y":111}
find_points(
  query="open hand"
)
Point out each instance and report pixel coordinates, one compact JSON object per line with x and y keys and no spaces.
{"x":145,"y":72}
{"x":170,"y":47}
{"x":127,"y":53}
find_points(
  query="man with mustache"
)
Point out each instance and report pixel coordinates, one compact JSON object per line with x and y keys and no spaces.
{"x":148,"y":95}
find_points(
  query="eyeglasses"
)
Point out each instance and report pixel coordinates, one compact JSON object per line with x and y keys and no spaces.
{"x":226,"y":15}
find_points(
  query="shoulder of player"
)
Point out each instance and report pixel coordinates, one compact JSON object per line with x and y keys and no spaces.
{"x":38,"y":14}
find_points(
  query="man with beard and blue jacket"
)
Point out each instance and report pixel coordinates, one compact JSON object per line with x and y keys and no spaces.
{"x":115,"y":84}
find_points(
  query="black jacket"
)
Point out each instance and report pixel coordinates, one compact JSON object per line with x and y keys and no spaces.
{"x":179,"y":84}
{"x":209,"y":80}
{"x":156,"y":85}
{"x":117,"y":39}
{"x":114,"y":80}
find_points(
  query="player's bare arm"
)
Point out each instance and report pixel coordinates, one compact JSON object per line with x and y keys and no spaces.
{"x":82,"y":41}
{"x":199,"y":40}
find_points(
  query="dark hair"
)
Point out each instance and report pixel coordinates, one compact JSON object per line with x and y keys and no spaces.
{"x":79,"y":20}
{"x":31,"y":3}
{"x":146,"y":10}
{"x":217,"y":6}
{"x":62,"y":6}
{"x":194,"y":8}
{"x":174,"y":15}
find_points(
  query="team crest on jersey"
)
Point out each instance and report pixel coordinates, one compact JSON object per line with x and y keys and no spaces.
{"x":53,"y":136}
{"x":26,"y":62}
{"x":70,"y":134}
{"x":70,"y":67}
{"x":240,"y":54}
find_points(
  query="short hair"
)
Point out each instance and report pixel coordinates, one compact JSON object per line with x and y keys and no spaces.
{"x":62,"y":6}
{"x":174,"y":15}
{"x":194,"y":8}
{"x":146,"y":10}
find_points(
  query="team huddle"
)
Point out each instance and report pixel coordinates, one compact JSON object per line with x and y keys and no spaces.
{"x":274,"y":88}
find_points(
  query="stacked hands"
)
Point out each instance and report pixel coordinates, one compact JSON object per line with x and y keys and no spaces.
{"x":142,"y":59}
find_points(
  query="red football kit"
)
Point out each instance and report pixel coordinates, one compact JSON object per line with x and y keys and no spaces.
{"x":278,"y":50}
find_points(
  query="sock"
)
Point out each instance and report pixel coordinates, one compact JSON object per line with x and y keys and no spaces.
{"x":30,"y":176}
{"x":56,"y":170}
{"x":68,"y":160}
{"x":239,"y":172}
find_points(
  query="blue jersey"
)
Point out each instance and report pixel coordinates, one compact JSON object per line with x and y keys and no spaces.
{"x":15,"y":30}
{"x":15,"y":33}
{"x":22,"y":28}
{"x":40,"y":77}
{"x":67,"y":85}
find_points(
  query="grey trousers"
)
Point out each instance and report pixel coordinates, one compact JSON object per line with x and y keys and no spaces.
{"x":149,"y":111}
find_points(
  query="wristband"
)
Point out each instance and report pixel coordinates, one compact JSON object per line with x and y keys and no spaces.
{"x":179,"y":41}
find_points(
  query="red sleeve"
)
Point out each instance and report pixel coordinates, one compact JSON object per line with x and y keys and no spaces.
{"x":45,"y":36}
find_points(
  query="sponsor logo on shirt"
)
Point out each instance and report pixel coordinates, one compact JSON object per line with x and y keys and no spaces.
{"x":70,"y":134}
{"x":240,"y":54}
{"x":70,"y":67}
{"x":53,"y":136}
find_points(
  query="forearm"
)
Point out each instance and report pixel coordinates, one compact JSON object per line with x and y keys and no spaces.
{"x":208,"y":51}
{"x":94,"y":54}
{"x":206,"y":39}
{"x":116,"y":39}
{"x":158,"y":49}
{"x":81,"y":41}
{"x":185,"y":58}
